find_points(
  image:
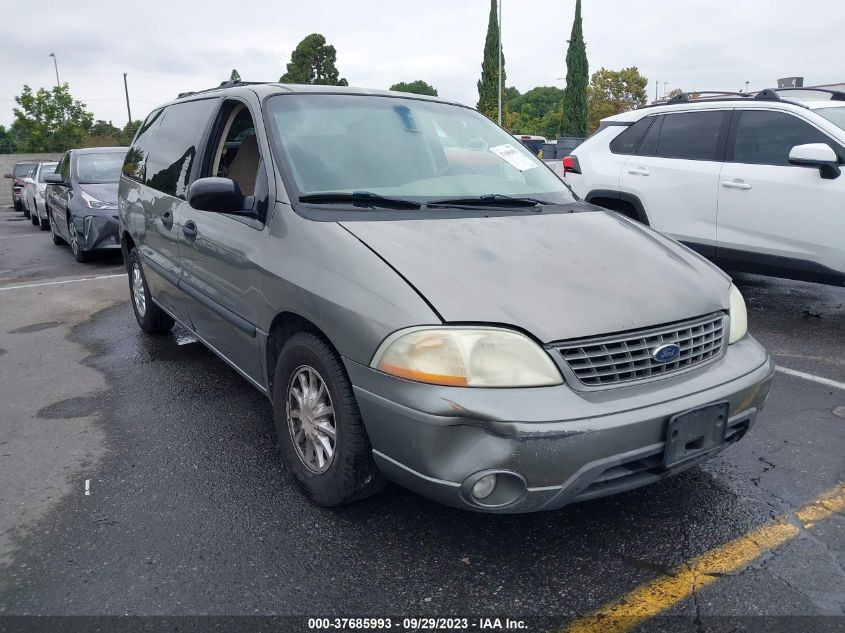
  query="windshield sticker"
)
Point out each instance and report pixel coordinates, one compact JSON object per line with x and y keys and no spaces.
{"x":513,"y":156}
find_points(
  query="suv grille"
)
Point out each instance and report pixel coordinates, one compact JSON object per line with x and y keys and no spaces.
{"x":626,"y":358}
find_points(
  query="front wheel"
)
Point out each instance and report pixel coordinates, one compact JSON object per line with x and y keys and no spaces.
{"x":57,"y":240}
{"x":151,"y":318}
{"x":318,"y":424}
{"x":75,"y":246}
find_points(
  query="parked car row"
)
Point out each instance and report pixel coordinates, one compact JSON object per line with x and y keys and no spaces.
{"x":75,"y":198}
{"x":752,"y":183}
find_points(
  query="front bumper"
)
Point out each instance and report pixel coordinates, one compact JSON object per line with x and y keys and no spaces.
{"x":98,"y":232}
{"x":556,"y":445}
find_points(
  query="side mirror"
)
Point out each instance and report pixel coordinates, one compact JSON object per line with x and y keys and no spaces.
{"x":816,"y":155}
{"x":53,"y":179}
{"x":218,"y":195}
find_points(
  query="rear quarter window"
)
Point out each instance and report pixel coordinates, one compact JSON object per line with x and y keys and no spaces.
{"x":628,"y":141}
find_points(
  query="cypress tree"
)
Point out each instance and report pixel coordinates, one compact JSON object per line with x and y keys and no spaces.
{"x":574,"y":122}
{"x":488,"y":85}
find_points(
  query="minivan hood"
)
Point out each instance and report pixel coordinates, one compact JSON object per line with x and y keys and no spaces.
{"x":105,"y":191}
{"x":556,"y":275}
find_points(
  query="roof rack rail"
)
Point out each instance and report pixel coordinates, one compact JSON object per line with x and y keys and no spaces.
{"x":223,"y":84}
{"x":835,"y":95}
{"x":768,"y":94}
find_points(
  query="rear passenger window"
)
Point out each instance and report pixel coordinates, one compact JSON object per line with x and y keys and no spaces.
{"x":627,"y":141}
{"x":170,"y":162}
{"x":766,"y":138}
{"x":135,"y":163}
{"x":691,"y":135}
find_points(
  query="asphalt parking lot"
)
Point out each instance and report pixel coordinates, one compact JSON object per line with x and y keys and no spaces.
{"x":189,"y":510}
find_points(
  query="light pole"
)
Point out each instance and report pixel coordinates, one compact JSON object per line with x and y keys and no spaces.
{"x":56,"y":66}
{"x":500,"y":62}
{"x":126,"y":90}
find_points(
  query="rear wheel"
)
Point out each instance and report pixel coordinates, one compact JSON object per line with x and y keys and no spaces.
{"x":151,"y":318}
{"x":25,"y":211}
{"x":320,"y":430}
{"x":43,"y":223}
{"x":18,"y":205}
{"x":33,"y":216}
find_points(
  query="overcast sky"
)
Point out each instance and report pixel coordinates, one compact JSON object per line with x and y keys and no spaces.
{"x":171,"y":46}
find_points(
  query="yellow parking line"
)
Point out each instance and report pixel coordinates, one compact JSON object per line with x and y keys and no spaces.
{"x":655,"y":596}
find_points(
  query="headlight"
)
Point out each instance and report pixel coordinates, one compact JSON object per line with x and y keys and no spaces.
{"x":466,"y":357}
{"x":739,"y":316}
{"x":94,"y":203}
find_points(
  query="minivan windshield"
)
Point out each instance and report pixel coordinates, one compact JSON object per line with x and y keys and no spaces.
{"x":96,"y":168}
{"x":834,"y":115}
{"x":403,"y":148}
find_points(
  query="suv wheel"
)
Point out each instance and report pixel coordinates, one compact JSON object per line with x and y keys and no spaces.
{"x":18,"y":205}
{"x":318,"y":424}
{"x":151,"y":318}
{"x":33,"y":216}
{"x":75,"y":246}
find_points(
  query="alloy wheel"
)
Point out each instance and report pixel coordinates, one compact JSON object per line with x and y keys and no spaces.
{"x":311,"y":419}
{"x":138,"y":295}
{"x":74,"y":238}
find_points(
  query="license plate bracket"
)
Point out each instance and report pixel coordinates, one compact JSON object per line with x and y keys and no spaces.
{"x":695,"y":432}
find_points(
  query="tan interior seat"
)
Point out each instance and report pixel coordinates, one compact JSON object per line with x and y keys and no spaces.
{"x":244,"y":167}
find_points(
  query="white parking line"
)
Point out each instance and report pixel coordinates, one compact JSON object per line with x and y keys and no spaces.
{"x":806,"y":376}
{"x":65,"y":281}
{"x":14,"y":237}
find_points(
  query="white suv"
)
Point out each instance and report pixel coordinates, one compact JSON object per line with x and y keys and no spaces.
{"x":753,"y":183}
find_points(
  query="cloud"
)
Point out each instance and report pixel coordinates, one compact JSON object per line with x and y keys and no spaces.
{"x":167,"y":47}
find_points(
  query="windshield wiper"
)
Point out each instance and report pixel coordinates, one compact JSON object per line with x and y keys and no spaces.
{"x":489,"y":200}
{"x":359,"y":199}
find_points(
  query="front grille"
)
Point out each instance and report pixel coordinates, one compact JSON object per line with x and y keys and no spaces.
{"x":626,"y":358}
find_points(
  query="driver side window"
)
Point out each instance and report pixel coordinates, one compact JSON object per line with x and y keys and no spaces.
{"x":236,"y":155}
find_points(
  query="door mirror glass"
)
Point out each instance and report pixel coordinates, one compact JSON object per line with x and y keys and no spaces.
{"x":218,"y":195}
{"x":53,"y":179}
{"x":816,"y":155}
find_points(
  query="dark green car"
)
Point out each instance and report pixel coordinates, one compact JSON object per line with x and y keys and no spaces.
{"x":424,"y":301}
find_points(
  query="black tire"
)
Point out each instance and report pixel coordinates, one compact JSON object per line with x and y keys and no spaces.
{"x":351,"y":474}
{"x":33,"y":217}
{"x":154,"y":320}
{"x":18,"y":205}
{"x":57,"y":240}
{"x":25,"y":212}
{"x":75,"y":247}
{"x":44,"y":224}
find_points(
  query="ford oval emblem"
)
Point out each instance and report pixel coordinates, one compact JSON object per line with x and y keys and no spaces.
{"x":666,"y":353}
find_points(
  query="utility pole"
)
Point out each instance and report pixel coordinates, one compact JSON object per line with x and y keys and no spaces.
{"x":500,"y":62}
{"x":56,"y":66}
{"x":656,"y":87}
{"x":126,"y":90}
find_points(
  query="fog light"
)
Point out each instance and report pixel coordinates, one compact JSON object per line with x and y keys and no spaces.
{"x":483,"y":488}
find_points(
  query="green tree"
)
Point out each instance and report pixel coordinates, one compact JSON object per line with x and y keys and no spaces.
{"x":615,"y":91}
{"x":235,"y":75}
{"x":574,"y":120}
{"x":49,"y":120}
{"x":128,"y":132}
{"x":488,"y":85}
{"x":674,"y":92}
{"x":418,"y":87}
{"x":313,"y":62}
{"x":102,"y":134}
{"x":7,"y":143}
{"x":537,"y":111}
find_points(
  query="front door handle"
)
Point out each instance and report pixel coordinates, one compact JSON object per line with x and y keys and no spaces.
{"x":735,"y":184}
{"x":167,"y":220}
{"x":639,"y":171}
{"x":190,"y":231}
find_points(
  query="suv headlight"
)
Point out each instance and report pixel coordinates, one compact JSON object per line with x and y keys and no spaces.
{"x":93,"y":203}
{"x":739,"y":316}
{"x":466,"y":357}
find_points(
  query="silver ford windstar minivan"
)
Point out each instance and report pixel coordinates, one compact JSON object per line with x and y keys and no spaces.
{"x":424,"y":301}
